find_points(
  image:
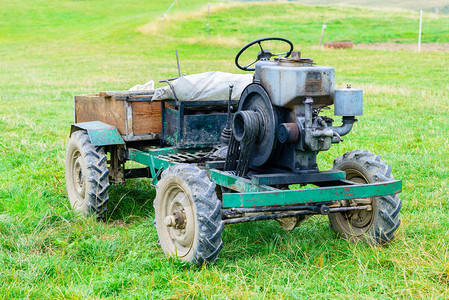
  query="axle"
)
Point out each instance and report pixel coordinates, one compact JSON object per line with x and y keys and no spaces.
{"x":240,"y":215}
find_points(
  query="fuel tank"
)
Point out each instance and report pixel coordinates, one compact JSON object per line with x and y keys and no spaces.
{"x":288,"y":81}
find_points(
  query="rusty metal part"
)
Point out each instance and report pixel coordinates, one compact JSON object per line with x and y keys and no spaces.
{"x":293,"y":214}
{"x":177,"y":220}
{"x":359,"y":219}
{"x":170,"y":221}
{"x":232,"y":212}
{"x":295,"y":55}
{"x":288,"y":133}
{"x":324,"y":209}
{"x":117,"y":165}
{"x":297,"y":60}
{"x":294,"y":58}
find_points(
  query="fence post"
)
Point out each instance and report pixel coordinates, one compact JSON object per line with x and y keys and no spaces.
{"x":165,"y":14}
{"x":420,"y":27}
{"x":208,"y":16}
{"x":322,"y":33}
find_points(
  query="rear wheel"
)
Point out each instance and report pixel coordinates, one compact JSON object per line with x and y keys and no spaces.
{"x":188,"y":214}
{"x":377,"y":225}
{"x":86,"y":175}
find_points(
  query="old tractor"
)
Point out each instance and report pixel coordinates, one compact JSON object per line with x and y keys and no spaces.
{"x":217,"y":162}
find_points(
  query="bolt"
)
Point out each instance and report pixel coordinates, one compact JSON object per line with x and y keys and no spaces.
{"x":324,"y":209}
{"x":170,"y":221}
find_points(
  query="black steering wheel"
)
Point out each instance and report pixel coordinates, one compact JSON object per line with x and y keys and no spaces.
{"x":264,"y":54}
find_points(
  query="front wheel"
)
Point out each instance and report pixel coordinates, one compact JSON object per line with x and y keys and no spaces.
{"x":188,"y":214}
{"x":377,"y":225}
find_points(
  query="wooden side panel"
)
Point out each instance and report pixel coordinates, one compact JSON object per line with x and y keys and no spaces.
{"x":146,"y":117}
{"x":96,"y":108}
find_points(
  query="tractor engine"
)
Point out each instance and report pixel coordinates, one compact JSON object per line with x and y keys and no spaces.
{"x":278,"y":127}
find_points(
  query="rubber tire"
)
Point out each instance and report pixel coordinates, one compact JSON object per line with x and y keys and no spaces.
{"x":385,"y":218}
{"x":95,"y":179}
{"x":200,"y":191}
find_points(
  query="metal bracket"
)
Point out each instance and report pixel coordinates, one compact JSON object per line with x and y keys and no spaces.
{"x":154,"y":180}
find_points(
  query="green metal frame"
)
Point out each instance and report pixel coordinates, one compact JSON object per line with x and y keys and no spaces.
{"x":304,"y":196}
{"x":250,"y":194}
{"x":236,"y":183}
{"x":151,"y":159}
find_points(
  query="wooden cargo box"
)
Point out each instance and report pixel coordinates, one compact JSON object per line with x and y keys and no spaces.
{"x":135,"y":116}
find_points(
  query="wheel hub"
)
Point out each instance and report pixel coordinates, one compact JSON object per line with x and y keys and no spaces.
{"x":358,"y":219}
{"x":178,"y":221}
{"x":78,"y":176}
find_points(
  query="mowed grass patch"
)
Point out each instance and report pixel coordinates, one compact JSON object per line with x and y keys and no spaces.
{"x":302,"y":23}
{"x":61,"y":49}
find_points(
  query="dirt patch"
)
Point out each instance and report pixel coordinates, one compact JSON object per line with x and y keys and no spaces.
{"x":409,"y":47}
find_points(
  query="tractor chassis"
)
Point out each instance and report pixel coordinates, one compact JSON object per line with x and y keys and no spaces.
{"x":246,"y":200}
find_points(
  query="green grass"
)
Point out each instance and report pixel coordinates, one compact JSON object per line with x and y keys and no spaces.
{"x":53,"y":50}
{"x":398,"y":4}
{"x":303,"y":24}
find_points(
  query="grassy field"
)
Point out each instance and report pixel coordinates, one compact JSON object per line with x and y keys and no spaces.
{"x":53,"y":50}
{"x":399,"y":4}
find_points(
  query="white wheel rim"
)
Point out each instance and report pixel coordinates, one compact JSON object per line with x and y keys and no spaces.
{"x":179,"y":241}
{"x":78,"y":181}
